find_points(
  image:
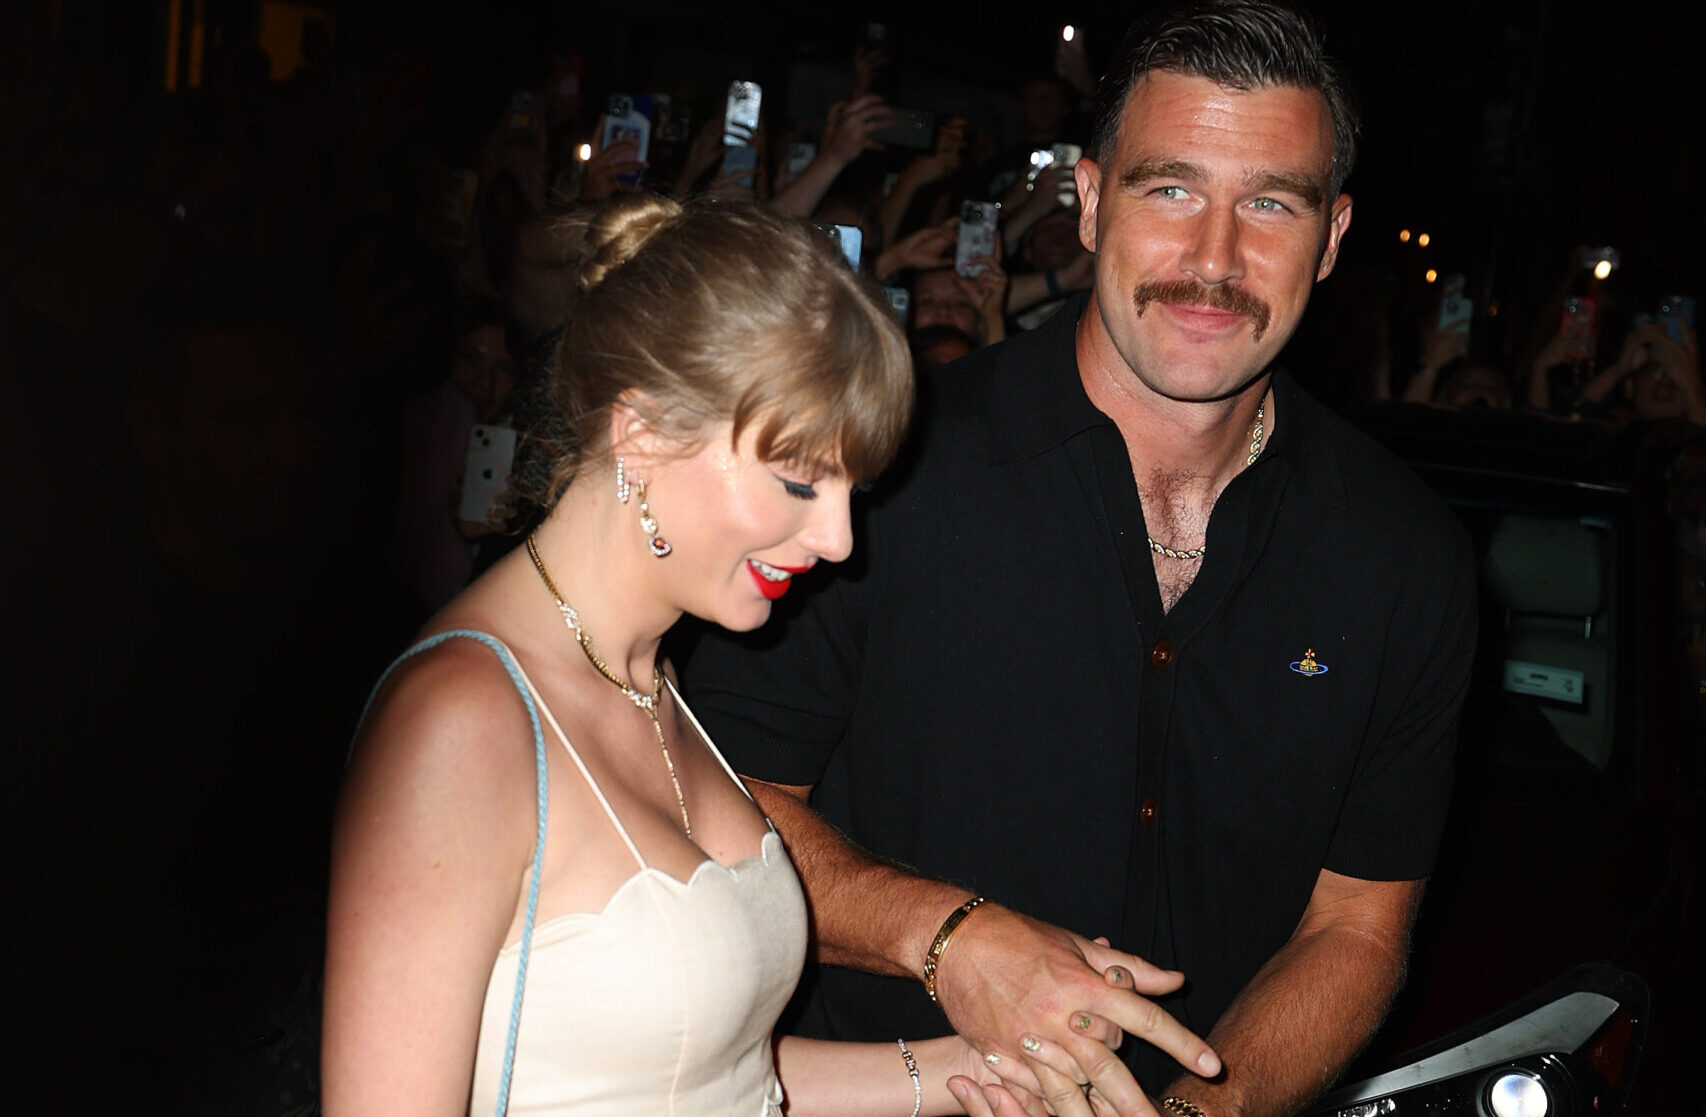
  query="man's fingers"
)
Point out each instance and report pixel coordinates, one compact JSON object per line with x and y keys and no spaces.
{"x":1132,"y":972}
{"x":1098,"y":1028}
{"x":1145,"y":1020}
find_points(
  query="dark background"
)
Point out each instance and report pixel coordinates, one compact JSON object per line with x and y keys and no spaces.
{"x":183,"y":714}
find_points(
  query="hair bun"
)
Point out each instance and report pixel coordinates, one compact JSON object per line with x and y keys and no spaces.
{"x":616,"y":232}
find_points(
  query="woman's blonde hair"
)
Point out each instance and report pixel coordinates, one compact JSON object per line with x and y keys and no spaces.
{"x":702,"y":313}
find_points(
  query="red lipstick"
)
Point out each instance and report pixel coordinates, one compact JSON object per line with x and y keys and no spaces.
{"x":774,"y":589}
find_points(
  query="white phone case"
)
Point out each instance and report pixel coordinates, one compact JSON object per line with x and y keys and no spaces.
{"x":485,"y":476}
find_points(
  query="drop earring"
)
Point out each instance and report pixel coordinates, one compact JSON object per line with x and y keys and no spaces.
{"x":659,"y":545}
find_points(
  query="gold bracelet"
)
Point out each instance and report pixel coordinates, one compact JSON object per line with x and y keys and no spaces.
{"x":933,"y":956}
{"x":1182,"y":1107}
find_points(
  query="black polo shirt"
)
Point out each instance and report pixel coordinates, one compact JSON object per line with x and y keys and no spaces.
{"x":990,"y":692}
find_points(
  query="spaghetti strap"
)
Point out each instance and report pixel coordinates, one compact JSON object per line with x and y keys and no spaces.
{"x":710,"y":744}
{"x":598,"y":792}
{"x":524,"y":685}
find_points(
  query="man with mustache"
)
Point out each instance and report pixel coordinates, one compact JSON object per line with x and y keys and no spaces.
{"x":1142,"y":643}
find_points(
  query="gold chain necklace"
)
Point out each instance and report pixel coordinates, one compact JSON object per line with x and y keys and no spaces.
{"x":1255,"y":452}
{"x":646,"y":702}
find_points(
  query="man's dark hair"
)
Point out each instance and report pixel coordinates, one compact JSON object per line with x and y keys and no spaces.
{"x":1239,"y":44}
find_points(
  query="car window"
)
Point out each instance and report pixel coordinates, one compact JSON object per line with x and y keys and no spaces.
{"x":1545,"y":693}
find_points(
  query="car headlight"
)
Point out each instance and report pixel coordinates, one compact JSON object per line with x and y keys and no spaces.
{"x":1518,"y":1094}
{"x":1566,"y":1050}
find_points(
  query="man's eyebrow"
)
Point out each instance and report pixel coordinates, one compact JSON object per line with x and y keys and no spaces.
{"x":1301,"y":187}
{"x":1147,"y":170}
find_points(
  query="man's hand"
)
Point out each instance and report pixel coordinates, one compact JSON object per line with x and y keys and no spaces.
{"x":1005,"y":977}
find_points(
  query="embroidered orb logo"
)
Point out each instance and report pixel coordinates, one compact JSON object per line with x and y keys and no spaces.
{"x":1308,"y":664}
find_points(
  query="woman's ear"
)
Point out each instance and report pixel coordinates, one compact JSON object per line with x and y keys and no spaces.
{"x":630,"y":435}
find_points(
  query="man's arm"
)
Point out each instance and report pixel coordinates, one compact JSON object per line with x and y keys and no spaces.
{"x":1004,"y":976}
{"x":1316,"y":1002}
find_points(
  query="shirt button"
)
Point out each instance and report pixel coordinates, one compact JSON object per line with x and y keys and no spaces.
{"x":1161,"y":655}
{"x":1146,"y":812}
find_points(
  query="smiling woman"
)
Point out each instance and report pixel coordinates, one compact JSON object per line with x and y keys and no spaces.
{"x":722,"y":382}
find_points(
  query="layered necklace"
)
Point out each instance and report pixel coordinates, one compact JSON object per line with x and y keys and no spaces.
{"x":646,"y":702}
{"x":1255,"y":452}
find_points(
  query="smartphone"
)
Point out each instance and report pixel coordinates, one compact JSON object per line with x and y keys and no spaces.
{"x":1057,"y":155}
{"x":1675,"y":311}
{"x":740,"y":118}
{"x":627,"y":119}
{"x":880,"y":37}
{"x":669,"y":120}
{"x":485,"y":471}
{"x":519,"y":119}
{"x":800,"y":156}
{"x":1067,"y":155}
{"x":977,"y":236}
{"x":1455,"y":308}
{"x":1580,"y":310}
{"x":900,"y":301}
{"x":1588,"y":256}
{"x":912,"y":128}
{"x":737,"y":160}
{"x":851,"y":240}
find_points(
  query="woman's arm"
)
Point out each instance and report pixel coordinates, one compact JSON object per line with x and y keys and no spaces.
{"x":431,"y":845}
{"x":847,"y":134}
{"x":855,"y":1079}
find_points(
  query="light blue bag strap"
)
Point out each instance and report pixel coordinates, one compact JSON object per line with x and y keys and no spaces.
{"x":518,"y":679}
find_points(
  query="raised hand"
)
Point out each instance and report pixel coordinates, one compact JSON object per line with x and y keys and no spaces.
{"x":851,"y":126}
{"x":929,"y":247}
{"x":600,"y":179}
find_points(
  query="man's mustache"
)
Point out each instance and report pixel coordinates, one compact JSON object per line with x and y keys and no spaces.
{"x":1187,"y":292}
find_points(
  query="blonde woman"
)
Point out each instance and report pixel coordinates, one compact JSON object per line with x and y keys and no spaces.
{"x":549,"y":893}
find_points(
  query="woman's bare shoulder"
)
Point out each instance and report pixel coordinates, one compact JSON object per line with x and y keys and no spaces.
{"x":449,"y":724}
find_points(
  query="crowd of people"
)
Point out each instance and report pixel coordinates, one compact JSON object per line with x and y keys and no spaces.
{"x":349,"y":407}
